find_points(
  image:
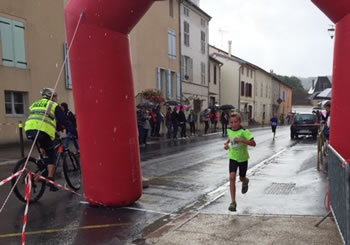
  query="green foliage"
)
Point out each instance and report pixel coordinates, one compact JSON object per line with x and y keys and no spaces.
{"x":292,"y":81}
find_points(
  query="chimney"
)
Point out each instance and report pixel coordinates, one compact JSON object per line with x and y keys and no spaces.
{"x":229,"y":47}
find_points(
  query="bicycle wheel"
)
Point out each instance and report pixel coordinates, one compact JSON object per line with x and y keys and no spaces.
{"x":38,"y":187}
{"x":71,"y":170}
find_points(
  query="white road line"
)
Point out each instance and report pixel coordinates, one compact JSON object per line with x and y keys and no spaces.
{"x":148,"y":211}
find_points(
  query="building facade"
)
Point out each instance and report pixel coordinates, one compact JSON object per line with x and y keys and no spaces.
{"x":214,"y":81}
{"x":194,"y":26}
{"x":156,"y":60}
{"x":263,"y":110}
{"x":32,"y":50}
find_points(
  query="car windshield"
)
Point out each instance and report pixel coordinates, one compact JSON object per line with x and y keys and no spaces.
{"x":305,"y":118}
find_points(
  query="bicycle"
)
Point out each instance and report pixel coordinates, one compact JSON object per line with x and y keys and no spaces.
{"x":71,"y":171}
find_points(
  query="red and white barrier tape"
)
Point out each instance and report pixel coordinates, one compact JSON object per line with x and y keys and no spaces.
{"x":10,"y":178}
{"x":66,"y":189}
{"x":28,"y":183}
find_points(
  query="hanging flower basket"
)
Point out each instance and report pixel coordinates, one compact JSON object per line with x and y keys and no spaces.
{"x":153,"y":95}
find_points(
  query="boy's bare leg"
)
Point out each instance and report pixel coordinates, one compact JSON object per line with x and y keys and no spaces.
{"x":233,"y":186}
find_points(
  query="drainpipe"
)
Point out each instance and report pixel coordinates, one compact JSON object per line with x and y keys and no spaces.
{"x":103,"y":84}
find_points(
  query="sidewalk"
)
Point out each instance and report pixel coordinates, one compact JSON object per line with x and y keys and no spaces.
{"x":285,"y":200}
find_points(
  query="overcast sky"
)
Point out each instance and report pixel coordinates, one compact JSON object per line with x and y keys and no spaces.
{"x":288,"y":36}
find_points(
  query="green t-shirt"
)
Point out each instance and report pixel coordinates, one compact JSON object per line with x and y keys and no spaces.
{"x":239,"y":151}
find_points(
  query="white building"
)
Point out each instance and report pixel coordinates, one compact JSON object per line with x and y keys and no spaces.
{"x":263,"y":110}
{"x":214,"y":81}
{"x":194,"y":24}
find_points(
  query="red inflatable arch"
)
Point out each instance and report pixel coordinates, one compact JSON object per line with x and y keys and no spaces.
{"x":104,"y":97}
{"x":339,"y":12}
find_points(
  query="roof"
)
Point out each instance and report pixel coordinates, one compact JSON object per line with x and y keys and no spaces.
{"x":215,"y":60}
{"x":193,"y":5}
{"x":321,"y":83}
{"x":224,"y":54}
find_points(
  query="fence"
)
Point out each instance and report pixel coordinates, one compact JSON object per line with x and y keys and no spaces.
{"x":339,"y":180}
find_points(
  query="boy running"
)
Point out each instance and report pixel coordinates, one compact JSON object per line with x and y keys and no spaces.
{"x":237,"y":144}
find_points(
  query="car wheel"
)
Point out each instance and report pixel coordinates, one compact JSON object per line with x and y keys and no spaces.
{"x":292,"y":136}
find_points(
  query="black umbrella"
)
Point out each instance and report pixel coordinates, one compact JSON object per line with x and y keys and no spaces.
{"x":227,"y":107}
{"x":147,"y":105}
{"x":171,"y":103}
{"x":214,"y":107}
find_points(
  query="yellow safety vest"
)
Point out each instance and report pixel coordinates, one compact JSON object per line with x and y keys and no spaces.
{"x":37,"y":119}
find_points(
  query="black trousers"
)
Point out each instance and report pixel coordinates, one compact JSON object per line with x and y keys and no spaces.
{"x":192,"y":128}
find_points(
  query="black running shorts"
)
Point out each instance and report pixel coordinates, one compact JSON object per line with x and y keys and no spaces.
{"x":243,"y":166}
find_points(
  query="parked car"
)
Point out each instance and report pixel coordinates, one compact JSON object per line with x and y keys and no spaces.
{"x":304,"y":124}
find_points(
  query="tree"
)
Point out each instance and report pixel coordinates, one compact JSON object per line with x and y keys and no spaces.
{"x":292,"y":81}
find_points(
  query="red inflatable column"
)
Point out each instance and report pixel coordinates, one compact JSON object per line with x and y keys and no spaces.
{"x":104,"y":97}
{"x":339,"y":12}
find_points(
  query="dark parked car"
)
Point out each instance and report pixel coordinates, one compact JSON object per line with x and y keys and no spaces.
{"x":304,"y":124}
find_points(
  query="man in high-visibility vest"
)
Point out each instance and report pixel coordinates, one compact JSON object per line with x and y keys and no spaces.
{"x":44,"y":116}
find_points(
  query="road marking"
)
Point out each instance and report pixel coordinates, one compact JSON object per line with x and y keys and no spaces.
{"x":147,"y":210}
{"x":65,"y":229}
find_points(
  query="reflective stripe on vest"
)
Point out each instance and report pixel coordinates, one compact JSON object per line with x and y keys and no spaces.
{"x":37,"y":119}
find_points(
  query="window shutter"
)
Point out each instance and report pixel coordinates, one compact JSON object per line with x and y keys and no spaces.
{"x":159,"y":80}
{"x":169,"y":85}
{"x":178,"y":86}
{"x":6,"y":42}
{"x":182,"y":67}
{"x":19,"y":45}
{"x":67,"y":68}
{"x":191,"y":69}
{"x":169,"y":44}
{"x":173,"y":45}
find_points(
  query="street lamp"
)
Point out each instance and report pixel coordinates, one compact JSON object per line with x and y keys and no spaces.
{"x":331,"y":31}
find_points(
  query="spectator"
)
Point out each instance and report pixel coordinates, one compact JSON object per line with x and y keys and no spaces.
{"x":169,"y":122}
{"x":205,"y":118}
{"x":224,"y":121}
{"x":192,"y":118}
{"x":174,"y":117}
{"x":72,"y":134}
{"x":182,"y":122}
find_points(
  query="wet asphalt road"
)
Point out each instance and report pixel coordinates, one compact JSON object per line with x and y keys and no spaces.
{"x":183,"y":175}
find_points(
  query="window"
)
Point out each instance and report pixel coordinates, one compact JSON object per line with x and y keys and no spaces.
{"x":242,"y":70}
{"x":14,"y":103}
{"x":203,"y":22}
{"x":203,"y":42}
{"x":214,"y":74}
{"x":67,"y":69}
{"x":203,"y":73}
{"x":266,"y":90}
{"x":186,"y":68}
{"x":12,"y":42}
{"x":171,"y":8}
{"x":186,"y":33}
{"x":248,"y":90}
{"x":242,"y":88}
{"x":172,"y":44}
{"x":261,"y":90}
{"x":248,"y":72}
{"x":186,"y":11}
